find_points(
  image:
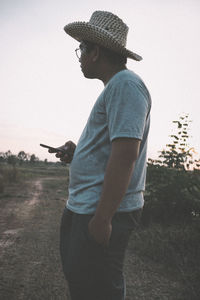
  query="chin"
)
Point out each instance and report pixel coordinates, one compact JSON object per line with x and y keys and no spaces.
{"x":89,"y":76}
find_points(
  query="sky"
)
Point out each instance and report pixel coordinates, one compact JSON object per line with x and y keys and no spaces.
{"x":44,"y":97}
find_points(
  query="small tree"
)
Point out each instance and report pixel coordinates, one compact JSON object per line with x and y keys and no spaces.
{"x":22,"y":157}
{"x":172,"y":192}
{"x":178,"y":154}
{"x":2,"y":157}
{"x":33,"y":158}
{"x":7,"y":154}
{"x":172,"y":195}
{"x":10,"y":158}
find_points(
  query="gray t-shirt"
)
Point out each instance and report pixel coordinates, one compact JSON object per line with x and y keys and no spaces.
{"x":121,"y":110}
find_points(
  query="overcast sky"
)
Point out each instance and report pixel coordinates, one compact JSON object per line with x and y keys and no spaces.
{"x":44,"y":96}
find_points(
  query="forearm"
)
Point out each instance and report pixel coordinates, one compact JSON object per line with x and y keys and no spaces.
{"x":117,"y":177}
{"x":120,"y":167}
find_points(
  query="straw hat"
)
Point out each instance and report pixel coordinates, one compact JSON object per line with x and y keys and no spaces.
{"x":104,"y":29}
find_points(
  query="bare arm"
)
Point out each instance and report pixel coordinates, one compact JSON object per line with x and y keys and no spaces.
{"x":118,"y":173}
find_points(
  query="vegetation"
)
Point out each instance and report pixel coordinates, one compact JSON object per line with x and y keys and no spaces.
{"x":172,"y":195}
{"x":170,"y":231}
{"x":18,"y":159}
{"x":173,"y":182}
{"x":15,"y":168}
{"x":178,"y":154}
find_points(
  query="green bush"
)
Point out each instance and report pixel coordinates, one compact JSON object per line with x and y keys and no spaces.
{"x":172,"y":195}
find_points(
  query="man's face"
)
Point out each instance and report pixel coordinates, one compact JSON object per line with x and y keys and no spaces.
{"x":85,"y":58}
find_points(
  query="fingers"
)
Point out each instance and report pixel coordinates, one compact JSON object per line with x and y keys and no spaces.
{"x":64,"y":152}
{"x":63,"y":157}
{"x":51,"y":151}
{"x":59,"y":154}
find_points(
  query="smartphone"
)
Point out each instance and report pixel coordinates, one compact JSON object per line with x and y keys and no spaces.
{"x":52,"y":148}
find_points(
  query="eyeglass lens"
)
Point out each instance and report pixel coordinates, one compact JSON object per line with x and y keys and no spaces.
{"x":78,"y":52}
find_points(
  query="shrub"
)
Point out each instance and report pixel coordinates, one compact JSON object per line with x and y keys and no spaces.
{"x":172,"y":195}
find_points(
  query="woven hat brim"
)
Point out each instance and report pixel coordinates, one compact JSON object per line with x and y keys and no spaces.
{"x":85,"y":31}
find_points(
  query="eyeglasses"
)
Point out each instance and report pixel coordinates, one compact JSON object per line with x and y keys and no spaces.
{"x":78,"y":52}
{"x":82,"y":48}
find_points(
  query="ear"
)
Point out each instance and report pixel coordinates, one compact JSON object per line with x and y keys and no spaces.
{"x":96,"y":53}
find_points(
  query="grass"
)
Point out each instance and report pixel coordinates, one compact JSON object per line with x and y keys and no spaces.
{"x":174,"y":247}
{"x":34,"y":258}
{"x":31,"y":267}
{"x":10,"y":175}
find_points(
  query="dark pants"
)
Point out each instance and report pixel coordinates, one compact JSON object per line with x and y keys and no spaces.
{"x":94,"y":272}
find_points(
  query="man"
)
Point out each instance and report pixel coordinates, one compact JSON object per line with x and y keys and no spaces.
{"x":108,"y":167}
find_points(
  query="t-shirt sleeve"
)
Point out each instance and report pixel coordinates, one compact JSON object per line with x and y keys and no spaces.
{"x":127,"y":107}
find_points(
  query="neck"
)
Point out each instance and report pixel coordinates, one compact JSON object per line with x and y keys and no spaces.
{"x":110,"y":72}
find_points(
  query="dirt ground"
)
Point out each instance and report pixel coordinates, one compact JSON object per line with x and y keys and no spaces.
{"x":30,"y":267}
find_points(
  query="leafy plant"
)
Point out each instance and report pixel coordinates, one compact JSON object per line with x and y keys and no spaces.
{"x":172,"y":195}
{"x":178,"y":154}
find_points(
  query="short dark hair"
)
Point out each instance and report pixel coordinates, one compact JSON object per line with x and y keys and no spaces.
{"x":112,"y":56}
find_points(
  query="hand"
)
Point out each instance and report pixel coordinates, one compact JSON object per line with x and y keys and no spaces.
{"x":100,"y":231}
{"x":66,"y":153}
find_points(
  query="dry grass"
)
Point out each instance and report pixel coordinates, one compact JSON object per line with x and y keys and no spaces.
{"x":156,"y":267}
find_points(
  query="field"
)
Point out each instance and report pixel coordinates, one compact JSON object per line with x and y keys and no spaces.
{"x":30,"y":268}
